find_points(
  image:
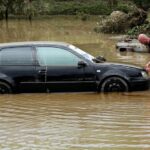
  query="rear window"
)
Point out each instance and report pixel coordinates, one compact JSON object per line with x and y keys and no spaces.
{"x":16,"y":56}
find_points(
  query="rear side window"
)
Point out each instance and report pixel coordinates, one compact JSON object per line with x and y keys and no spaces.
{"x":16,"y":56}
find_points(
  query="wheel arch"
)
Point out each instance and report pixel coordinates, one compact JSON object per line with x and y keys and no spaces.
{"x":109,"y":76}
{"x":7,"y":82}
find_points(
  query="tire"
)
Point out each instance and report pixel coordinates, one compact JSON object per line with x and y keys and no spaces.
{"x":114,"y":84}
{"x":5,"y":88}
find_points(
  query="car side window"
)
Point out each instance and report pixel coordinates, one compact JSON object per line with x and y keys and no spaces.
{"x":16,"y":56}
{"x":53,"y":56}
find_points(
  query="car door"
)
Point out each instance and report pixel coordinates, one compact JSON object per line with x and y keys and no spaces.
{"x":17,"y":65}
{"x":59,"y":69}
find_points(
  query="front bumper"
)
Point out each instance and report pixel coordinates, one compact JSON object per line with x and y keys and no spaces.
{"x":139,"y":84}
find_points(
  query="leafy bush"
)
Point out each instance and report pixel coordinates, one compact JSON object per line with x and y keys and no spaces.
{"x":145,"y":28}
{"x":73,"y":8}
{"x":115,"y":23}
{"x":124,"y":7}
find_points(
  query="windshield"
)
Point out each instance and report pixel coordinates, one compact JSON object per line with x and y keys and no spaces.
{"x":83,"y":53}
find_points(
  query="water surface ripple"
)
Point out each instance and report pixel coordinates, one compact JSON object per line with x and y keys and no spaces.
{"x":75,"y":121}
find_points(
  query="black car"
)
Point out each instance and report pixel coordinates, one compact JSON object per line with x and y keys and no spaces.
{"x":59,"y":67}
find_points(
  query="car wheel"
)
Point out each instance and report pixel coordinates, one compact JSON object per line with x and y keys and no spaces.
{"x":5,"y":88}
{"x":114,"y":84}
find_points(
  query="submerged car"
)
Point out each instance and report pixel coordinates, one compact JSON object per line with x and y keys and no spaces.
{"x":61,"y":67}
{"x":133,"y":46}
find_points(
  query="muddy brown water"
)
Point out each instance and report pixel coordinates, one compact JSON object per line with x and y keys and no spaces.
{"x":73,"y":121}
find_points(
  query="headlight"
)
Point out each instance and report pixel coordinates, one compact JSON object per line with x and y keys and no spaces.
{"x":144,"y":74}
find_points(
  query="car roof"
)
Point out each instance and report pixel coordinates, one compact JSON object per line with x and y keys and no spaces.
{"x":13,"y":44}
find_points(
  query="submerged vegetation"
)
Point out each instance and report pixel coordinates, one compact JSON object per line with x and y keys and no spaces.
{"x":120,"y":22}
{"x":131,"y":19}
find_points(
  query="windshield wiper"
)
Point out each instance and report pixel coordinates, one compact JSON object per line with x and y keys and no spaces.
{"x":99,"y":59}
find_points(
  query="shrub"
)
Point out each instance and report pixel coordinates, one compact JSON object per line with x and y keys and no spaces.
{"x":145,"y":28}
{"x":74,"y":7}
{"x":124,"y":7}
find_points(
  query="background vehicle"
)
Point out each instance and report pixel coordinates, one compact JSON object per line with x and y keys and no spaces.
{"x":55,"y":66}
{"x":132,"y":45}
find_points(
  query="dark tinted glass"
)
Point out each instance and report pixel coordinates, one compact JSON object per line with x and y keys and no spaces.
{"x":16,"y":56}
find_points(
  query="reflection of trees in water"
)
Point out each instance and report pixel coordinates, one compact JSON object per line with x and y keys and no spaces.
{"x":133,"y":57}
{"x":69,"y":30}
{"x":22,"y":31}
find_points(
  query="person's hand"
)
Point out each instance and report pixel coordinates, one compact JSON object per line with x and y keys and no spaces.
{"x":147,"y":66}
{"x":144,"y":39}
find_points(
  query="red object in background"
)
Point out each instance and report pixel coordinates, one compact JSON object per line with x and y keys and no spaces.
{"x":147,"y":67}
{"x":144,"y":39}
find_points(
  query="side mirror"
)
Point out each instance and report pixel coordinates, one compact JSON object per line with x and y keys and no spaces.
{"x":82,"y":64}
{"x":101,"y":58}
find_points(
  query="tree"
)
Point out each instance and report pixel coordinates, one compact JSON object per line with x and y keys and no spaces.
{"x":145,"y":4}
{"x":111,"y":3}
{"x":34,"y":7}
{"x":27,"y":8}
{"x":5,"y":5}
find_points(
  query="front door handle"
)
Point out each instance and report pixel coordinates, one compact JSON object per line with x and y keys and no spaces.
{"x":43,"y":71}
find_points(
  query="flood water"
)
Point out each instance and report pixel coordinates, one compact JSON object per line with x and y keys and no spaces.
{"x":73,"y":121}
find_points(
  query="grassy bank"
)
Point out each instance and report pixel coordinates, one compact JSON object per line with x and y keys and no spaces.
{"x":76,"y":7}
{"x":33,"y":8}
{"x":91,"y":7}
